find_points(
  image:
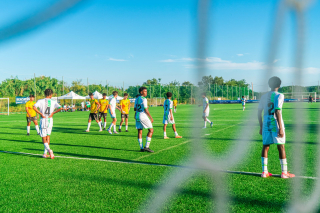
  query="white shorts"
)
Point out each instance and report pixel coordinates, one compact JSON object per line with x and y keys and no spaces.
{"x":114,"y":115}
{"x":45,"y":127}
{"x":206,"y":114}
{"x":269,"y":138}
{"x":144,"y":122}
{"x":167,"y":120}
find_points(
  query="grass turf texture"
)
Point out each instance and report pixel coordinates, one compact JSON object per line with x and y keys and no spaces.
{"x":33,"y":184}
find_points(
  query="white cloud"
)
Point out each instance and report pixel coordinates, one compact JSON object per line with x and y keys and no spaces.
{"x":168,"y":61}
{"x":240,"y":54}
{"x":276,"y":60}
{"x":114,"y":59}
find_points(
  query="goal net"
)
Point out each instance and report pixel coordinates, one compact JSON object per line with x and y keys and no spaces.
{"x":301,"y":96}
{"x":4,"y":106}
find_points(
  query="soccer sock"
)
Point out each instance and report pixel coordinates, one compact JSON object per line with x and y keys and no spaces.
{"x":140,"y":143}
{"x":148,"y":142}
{"x":46,"y":146}
{"x":37,"y":128}
{"x":175,"y":134}
{"x":99,"y":125}
{"x":208,"y":120}
{"x":111,"y":125}
{"x":164,"y":134}
{"x":284,"y":166}
{"x":28,"y":129}
{"x":205,"y":123}
{"x":264,"y":162}
{"x":120,"y":127}
{"x":45,"y":151}
{"x":105,"y":124}
{"x":114,"y":127}
{"x":89,"y":124}
{"x":126,"y":127}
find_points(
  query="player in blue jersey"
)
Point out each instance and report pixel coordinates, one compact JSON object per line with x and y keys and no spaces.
{"x":243,"y":102}
{"x":272,"y":127}
{"x":168,"y":116}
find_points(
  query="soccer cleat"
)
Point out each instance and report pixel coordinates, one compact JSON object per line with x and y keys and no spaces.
{"x":287,"y":175}
{"x":115,"y":132}
{"x":51,"y":154}
{"x":141,"y":150}
{"x":104,"y":128}
{"x":119,"y":130}
{"x":165,"y":137}
{"x":266,"y":174}
{"x":211,"y":124}
{"x":148,"y":150}
{"x":28,"y":134}
{"x":45,"y":155}
{"x":87,"y":130}
{"x":127,"y":131}
{"x":100,"y":130}
{"x":38,"y":133}
{"x":178,"y":136}
{"x":109,"y":131}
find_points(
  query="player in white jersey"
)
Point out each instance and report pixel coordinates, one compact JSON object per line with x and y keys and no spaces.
{"x":168,"y":116}
{"x":112,"y":112}
{"x":206,"y":110}
{"x":142,"y":119}
{"x":46,"y":110}
{"x":243,"y":102}
{"x":272,"y":127}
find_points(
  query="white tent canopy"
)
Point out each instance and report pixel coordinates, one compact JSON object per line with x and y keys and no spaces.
{"x":96,"y":95}
{"x":72,"y":95}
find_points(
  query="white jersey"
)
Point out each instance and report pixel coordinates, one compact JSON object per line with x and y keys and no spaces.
{"x":47,"y":107}
{"x":269,"y":103}
{"x":113,"y":104}
{"x":82,"y":104}
{"x":205,"y":102}
{"x":167,"y":105}
{"x":140,"y":105}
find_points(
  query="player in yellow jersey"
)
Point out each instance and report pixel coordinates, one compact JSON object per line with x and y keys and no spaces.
{"x":103,"y":110}
{"x":175,"y":104}
{"x":125,"y":109}
{"x":31,"y":114}
{"x":95,"y":105}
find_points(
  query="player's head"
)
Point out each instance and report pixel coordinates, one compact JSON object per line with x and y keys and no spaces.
{"x":125,"y":96}
{"x":91,"y":95}
{"x":242,"y":96}
{"x":104,"y":95}
{"x":48,"y":93}
{"x":203,"y":95}
{"x":169,"y":95}
{"x":143,"y":91}
{"x":115,"y":94}
{"x":175,"y":98}
{"x":31,"y":97}
{"x":274,"y":82}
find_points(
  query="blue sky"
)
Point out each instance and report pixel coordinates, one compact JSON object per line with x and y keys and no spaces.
{"x":133,"y":41}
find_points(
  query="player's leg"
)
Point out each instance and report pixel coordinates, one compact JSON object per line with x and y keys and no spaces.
{"x":127,"y":121}
{"x":283,"y":161}
{"x":205,"y":121}
{"x":111,"y":124}
{"x":89,"y":123}
{"x":37,"y":126}
{"x":140,"y":140}
{"x":264,"y":161}
{"x":105,"y":121}
{"x":99,"y":123}
{"x":28,"y":126}
{"x":149,"y":136}
{"x":165,"y":131}
{"x":121,"y":122}
{"x":175,"y":131}
{"x":115,"y":125}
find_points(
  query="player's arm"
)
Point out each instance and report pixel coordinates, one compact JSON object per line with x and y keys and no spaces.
{"x":148,"y":113}
{"x":28,"y":111}
{"x":260,"y":120}
{"x":58,"y":110}
{"x":99,"y":105}
{"x":110,"y":109}
{"x":278,"y":117}
{"x":171,"y":113}
{"x":36,"y":109}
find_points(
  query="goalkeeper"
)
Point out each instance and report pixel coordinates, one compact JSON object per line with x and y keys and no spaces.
{"x":125,"y":109}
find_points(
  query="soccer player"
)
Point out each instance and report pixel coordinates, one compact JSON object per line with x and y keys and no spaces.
{"x":103,"y":110}
{"x":310,"y":99}
{"x":95,"y":105}
{"x":142,"y":120}
{"x":82,"y":106}
{"x":31,"y":115}
{"x":46,"y":110}
{"x":272,"y":127}
{"x":206,"y":110}
{"x":125,"y":109}
{"x":168,"y":116}
{"x":175,"y":104}
{"x":88,"y":106}
{"x":112,"y":112}
{"x":243,"y":101}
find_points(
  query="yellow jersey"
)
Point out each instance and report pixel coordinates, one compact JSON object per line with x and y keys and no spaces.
{"x":29,"y":105}
{"x":125,"y":106}
{"x":175,"y":102}
{"x":104,"y":103}
{"x":94,"y":105}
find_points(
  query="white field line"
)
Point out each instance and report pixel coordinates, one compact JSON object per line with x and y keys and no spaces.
{"x":151,"y":164}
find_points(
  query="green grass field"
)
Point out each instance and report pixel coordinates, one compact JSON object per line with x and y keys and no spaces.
{"x":98,"y":172}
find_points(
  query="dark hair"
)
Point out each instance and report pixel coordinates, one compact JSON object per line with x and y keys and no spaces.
{"x":125,"y":94}
{"x":90,"y":94}
{"x":141,"y":89}
{"x":114,"y":92}
{"x":204,"y":94}
{"x":242,"y":96}
{"x":137,"y":95}
{"x":48,"y":92}
{"x":169,"y":94}
{"x":274,"y":82}
{"x":104,"y":94}
{"x":31,"y":96}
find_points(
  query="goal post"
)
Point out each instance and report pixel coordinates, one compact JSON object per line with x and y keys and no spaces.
{"x":4,"y":106}
{"x":301,"y":95}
